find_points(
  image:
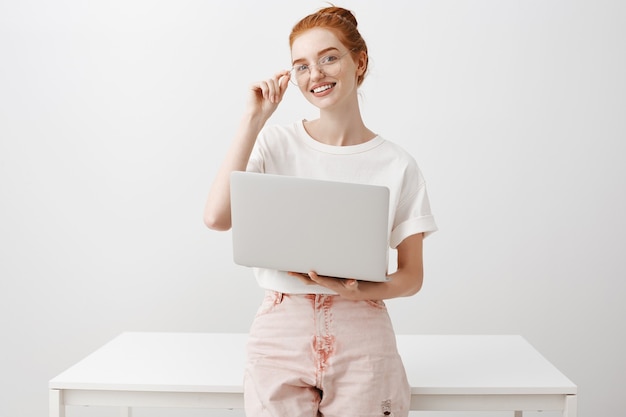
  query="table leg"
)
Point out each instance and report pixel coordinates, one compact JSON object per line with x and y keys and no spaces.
{"x":571,"y":406}
{"x":518,"y":413}
{"x":56,"y":405}
{"x":126,"y":412}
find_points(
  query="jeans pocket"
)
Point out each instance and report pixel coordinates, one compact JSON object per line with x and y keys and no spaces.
{"x":270,"y":301}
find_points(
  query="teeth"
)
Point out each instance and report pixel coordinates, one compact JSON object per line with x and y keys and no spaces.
{"x":322,"y":88}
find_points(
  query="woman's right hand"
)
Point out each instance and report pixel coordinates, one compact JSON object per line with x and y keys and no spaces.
{"x":263,"y":100}
{"x":265,"y":95}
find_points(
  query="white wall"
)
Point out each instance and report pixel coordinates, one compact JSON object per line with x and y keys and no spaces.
{"x":115,"y":114}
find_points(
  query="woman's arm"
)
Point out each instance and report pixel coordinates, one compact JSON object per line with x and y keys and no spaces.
{"x":263,"y":100}
{"x":217,"y":208}
{"x":406,"y":281}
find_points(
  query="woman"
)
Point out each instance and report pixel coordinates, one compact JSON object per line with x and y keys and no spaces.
{"x":322,"y":345}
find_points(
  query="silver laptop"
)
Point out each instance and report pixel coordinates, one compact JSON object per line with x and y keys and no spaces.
{"x":300,"y":224}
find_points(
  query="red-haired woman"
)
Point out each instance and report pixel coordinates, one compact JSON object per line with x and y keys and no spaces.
{"x":322,"y":345}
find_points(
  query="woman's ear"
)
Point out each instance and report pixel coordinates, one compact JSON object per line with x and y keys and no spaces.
{"x":362,"y":63}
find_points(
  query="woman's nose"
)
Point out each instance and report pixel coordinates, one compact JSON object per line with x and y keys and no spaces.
{"x":316,"y":72}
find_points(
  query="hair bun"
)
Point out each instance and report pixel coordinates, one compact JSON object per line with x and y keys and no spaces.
{"x":339,"y":12}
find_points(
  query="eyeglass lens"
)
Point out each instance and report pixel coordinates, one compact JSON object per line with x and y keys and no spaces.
{"x":329,"y":65}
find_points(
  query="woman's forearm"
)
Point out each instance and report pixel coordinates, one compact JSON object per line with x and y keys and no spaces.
{"x":217,"y":208}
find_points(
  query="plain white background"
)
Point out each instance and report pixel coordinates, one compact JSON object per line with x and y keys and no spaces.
{"x":114,"y":116}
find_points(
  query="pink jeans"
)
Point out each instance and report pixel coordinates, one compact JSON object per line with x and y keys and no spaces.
{"x":323,"y":355}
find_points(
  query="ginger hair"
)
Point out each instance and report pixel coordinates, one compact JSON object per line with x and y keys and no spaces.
{"x":342,"y":23}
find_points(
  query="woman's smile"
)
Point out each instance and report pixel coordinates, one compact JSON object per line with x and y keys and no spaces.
{"x":320,"y":89}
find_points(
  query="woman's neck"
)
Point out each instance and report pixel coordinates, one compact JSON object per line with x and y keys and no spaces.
{"x":339,"y":128}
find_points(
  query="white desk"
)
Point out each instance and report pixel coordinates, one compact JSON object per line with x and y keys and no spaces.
{"x":446,"y":372}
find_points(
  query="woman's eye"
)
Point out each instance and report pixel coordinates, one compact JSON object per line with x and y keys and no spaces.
{"x":301,"y":68}
{"x":328,"y":59}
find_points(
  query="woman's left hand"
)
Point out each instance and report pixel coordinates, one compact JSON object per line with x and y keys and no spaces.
{"x":346,"y":287}
{"x":405,"y":281}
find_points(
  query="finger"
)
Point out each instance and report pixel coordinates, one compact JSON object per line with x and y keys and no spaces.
{"x":298,"y":274}
{"x":336,"y":284}
{"x":271,"y":90}
{"x":283,"y":80}
{"x":280,"y":75}
{"x":351,"y":283}
{"x":273,"y":84}
{"x":263,"y":88}
{"x":316,"y":278}
{"x":326,"y":281}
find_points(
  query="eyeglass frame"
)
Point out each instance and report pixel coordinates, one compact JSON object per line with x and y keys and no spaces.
{"x":320,"y":66}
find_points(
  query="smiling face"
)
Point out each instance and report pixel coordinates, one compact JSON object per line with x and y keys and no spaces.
{"x":328,"y":70}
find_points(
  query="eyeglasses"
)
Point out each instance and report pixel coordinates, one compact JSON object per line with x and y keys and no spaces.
{"x":329,"y":65}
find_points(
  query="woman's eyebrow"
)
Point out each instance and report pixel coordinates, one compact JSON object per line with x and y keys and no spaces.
{"x":319,"y":53}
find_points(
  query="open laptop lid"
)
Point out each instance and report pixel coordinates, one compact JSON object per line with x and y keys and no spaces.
{"x":300,"y":224}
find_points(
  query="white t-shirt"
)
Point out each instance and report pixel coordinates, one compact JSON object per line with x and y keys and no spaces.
{"x":290,"y":150}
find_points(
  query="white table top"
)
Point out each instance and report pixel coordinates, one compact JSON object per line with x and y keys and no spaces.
{"x":213,"y":362}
